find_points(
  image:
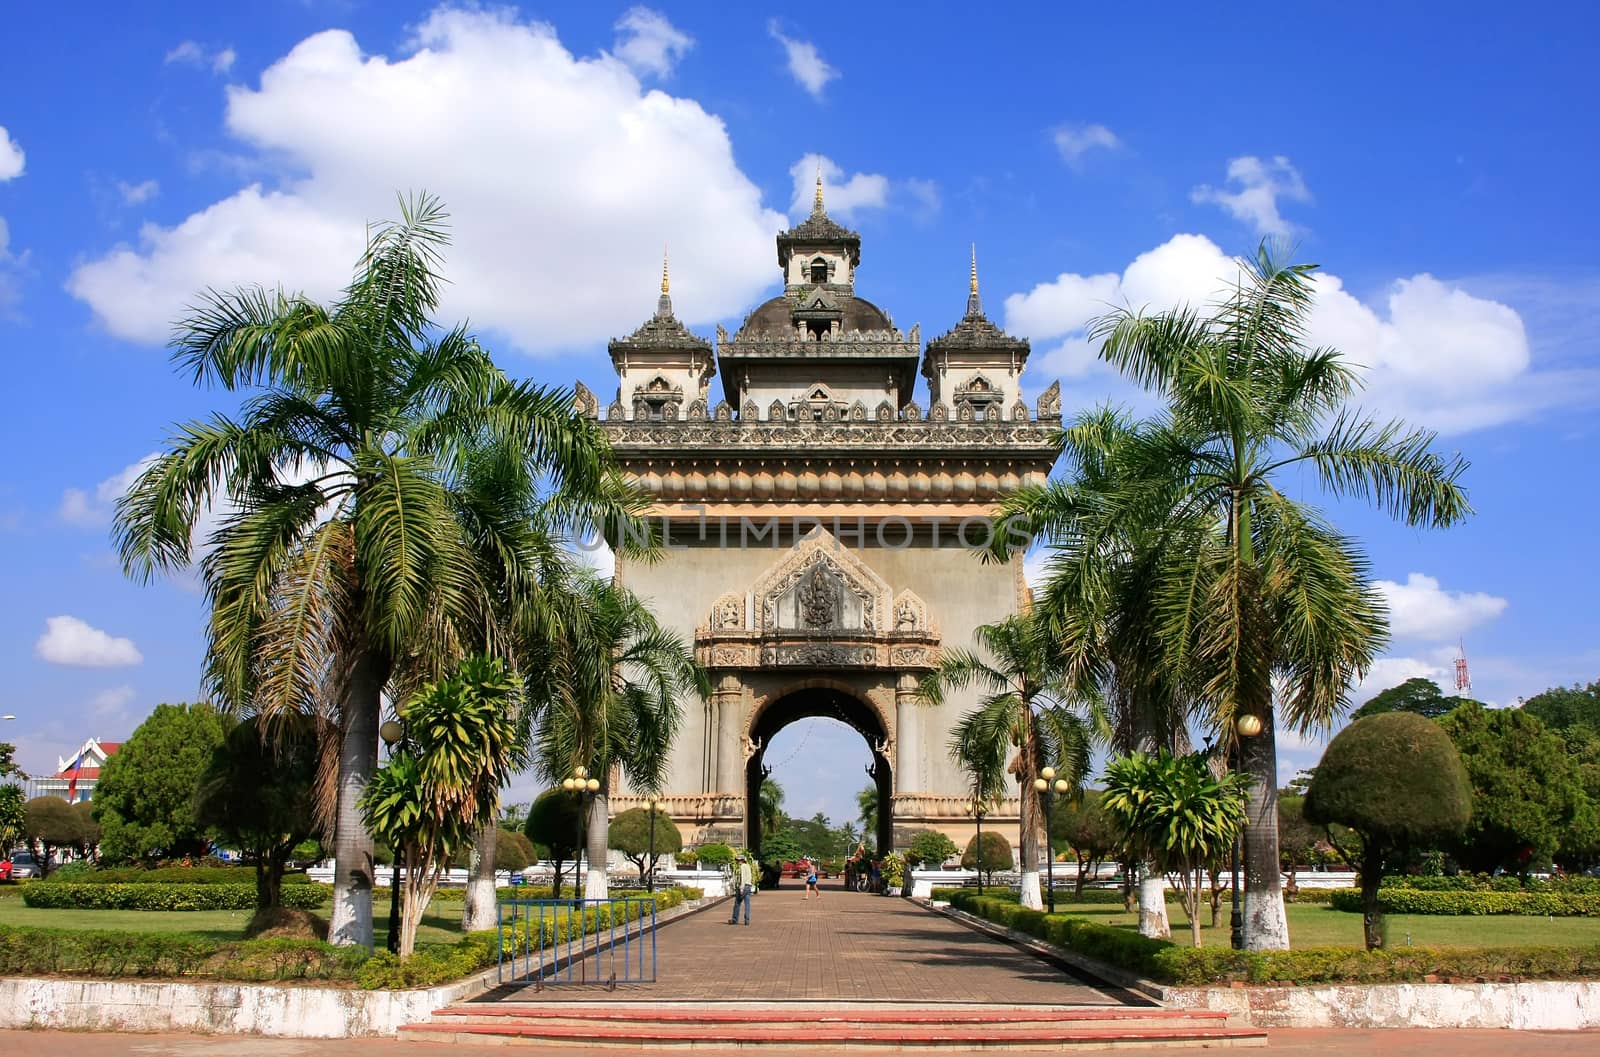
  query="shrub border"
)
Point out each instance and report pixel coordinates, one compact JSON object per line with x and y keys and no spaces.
{"x":1166,"y":963}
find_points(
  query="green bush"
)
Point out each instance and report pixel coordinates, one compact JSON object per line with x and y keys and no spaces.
{"x":1405,"y":900}
{"x":1168,"y":963}
{"x":63,"y":895}
{"x":67,"y":952}
{"x":196,"y":875}
{"x":714,"y":856}
{"x":1503,"y":883}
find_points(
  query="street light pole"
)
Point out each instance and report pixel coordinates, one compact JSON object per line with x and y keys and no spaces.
{"x":585,"y":787}
{"x":392,"y":733}
{"x":975,"y":809}
{"x":1047,"y":784}
{"x":1246,"y":726}
{"x":650,"y":809}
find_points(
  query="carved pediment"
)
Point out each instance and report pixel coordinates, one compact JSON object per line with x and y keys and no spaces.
{"x":820,"y":585}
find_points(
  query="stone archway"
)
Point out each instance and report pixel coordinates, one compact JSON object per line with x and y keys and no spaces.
{"x":829,"y":699}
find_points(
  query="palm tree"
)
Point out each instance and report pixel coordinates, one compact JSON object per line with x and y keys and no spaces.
{"x":1180,"y":815}
{"x":771,"y":806}
{"x":1024,"y":711}
{"x":612,"y":701}
{"x":867,"y":811}
{"x":443,"y":781}
{"x":1234,"y":585}
{"x":339,"y":556}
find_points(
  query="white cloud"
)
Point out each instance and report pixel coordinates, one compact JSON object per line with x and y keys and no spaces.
{"x":111,"y":706}
{"x":193,"y":53}
{"x":806,"y":65}
{"x":92,"y":510}
{"x":1429,"y":351}
{"x":1419,"y":609}
{"x":72,"y":642}
{"x":843,"y":196}
{"x":1258,"y":186}
{"x":1074,"y":141}
{"x":648,"y":43}
{"x":561,"y":172}
{"x":1392,"y":671}
{"x":847,"y":196}
{"x":12,"y":159}
{"x":139,"y":193}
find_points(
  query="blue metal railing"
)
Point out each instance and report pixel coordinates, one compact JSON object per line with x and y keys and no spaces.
{"x":575,"y":941}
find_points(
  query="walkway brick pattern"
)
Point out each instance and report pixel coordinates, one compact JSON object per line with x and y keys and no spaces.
{"x":845,"y":947}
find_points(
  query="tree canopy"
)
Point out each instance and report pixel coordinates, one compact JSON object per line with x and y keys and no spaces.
{"x":1397,"y":781}
{"x":256,"y":795}
{"x":1564,"y":707}
{"x":639,"y":832}
{"x":930,"y":848}
{"x":1529,"y":805}
{"x":1420,"y":695}
{"x":994,"y":855}
{"x":553,"y":824}
{"x":145,"y":799}
{"x":1084,"y":827}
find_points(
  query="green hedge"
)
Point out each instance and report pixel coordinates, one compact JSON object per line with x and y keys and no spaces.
{"x":1503,"y":883}
{"x":157,"y":896}
{"x":1401,"y":900}
{"x":67,"y":952}
{"x":197,"y":875}
{"x":1165,"y":962}
{"x":478,"y":950}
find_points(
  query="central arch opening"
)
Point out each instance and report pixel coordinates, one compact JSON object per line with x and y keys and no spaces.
{"x":825,"y":702}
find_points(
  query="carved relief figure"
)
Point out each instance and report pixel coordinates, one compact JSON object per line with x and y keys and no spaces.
{"x":819,"y":599}
{"x":727,"y":615}
{"x":905,"y":616}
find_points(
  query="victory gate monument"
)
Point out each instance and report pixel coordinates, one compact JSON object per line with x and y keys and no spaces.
{"x":821,"y":527}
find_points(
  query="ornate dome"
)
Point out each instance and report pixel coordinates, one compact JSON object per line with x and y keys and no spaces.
{"x":775,"y":317}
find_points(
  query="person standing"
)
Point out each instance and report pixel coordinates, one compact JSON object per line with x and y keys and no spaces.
{"x":743,"y":889}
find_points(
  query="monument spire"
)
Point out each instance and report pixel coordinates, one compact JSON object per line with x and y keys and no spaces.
{"x":664,"y":303}
{"x":974,"y":303}
{"x":816,"y":204}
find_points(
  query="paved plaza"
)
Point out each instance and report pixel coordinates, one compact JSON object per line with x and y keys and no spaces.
{"x":849,"y":947}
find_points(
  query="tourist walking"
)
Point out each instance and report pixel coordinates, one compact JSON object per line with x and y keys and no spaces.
{"x":743,"y":889}
{"x":811,"y":880}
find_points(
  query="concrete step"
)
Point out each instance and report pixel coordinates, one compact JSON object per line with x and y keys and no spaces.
{"x":836,"y":1026}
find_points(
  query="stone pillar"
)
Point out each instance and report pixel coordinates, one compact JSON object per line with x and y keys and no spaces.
{"x":907,"y":734}
{"x":728,"y":697}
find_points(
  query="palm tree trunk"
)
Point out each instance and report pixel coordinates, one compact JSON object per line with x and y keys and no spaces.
{"x":1153,"y":920}
{"x":1266,"y":927}
{"x":478,"y":915}
{"x":350,"y":923}
{"x":594,"y":882}
{"x":1028,"y":847}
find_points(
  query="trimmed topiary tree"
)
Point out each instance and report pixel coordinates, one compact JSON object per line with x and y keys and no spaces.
{"x":996,"y":855}
{"x":1397,"y":781}
{"x":554,"y":822}
{"x":630,"y":834}
{"x":930,"y":848}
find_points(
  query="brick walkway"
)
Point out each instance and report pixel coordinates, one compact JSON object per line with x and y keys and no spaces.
{"x":848,"y":946}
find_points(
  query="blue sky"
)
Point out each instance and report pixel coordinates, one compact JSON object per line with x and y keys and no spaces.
{"x":1433,"y":158}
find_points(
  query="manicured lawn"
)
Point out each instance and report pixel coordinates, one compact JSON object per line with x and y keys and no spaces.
{"x":441,"y":924}
{"x":1321,"y":926}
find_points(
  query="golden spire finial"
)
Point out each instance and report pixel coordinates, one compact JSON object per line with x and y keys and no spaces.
{"x":817,"y":204}
{"x":665,"y":285}
{"x":974,"y":267}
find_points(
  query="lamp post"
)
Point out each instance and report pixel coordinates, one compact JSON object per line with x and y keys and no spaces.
{"x":650,"y":806}
{"x":392,"y":733}
{"x":1245,"y":726}
{"x":585,"y":786}
{"x":1048,"y":785}
{"x":976,"y":810}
